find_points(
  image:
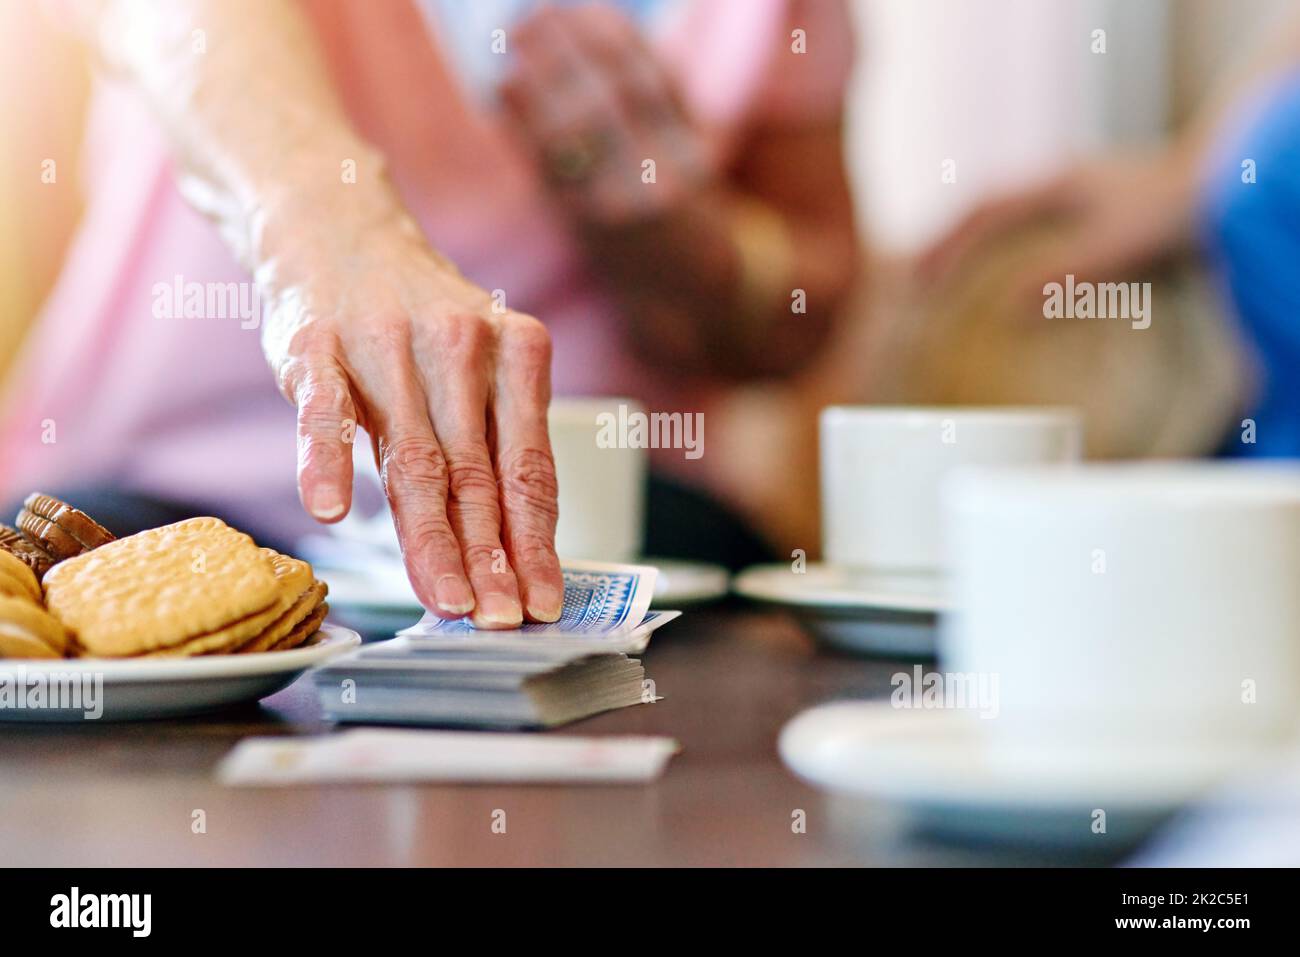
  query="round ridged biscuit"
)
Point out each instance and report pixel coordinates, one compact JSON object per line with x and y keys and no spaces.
{"x":277,"y":631}
{"x":85,"y":530}
{"x":161,"y":588}
{"x":17,"y":578}
{"x":17,"y":642}
{"x":28,"y":631}
{"x":292,"y":576}
{"x":14,"y":589}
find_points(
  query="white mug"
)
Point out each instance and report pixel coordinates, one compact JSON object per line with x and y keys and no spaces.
{"x":602,"y":486}
{"x":1129,"y":605}
{"x":602,"y":483}
{"x":881,"y":469}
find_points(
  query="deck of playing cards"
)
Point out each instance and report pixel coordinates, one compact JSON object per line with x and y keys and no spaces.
{"x":447,"y":673}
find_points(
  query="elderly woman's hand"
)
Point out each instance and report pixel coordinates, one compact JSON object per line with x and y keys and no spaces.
{"x":367,"y":327}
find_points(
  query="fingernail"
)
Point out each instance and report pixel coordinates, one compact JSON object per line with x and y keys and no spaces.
{"x":453,"y":595}
{"x":326,"y":503}
{"x":500,"y":610}
{"x":545,"y":603}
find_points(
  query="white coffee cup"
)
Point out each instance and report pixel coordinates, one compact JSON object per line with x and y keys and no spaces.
{"x":881,"y":469}
{"x":602,"y":482}
{"x":1129,"y":605}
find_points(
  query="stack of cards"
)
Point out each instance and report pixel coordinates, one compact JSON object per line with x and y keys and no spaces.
{"x":448,"y":673}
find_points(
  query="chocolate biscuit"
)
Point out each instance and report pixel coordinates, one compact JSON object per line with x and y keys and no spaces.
{"x":32,"y":555}
{"x":75,"y":522}
{"x":58,"y":528}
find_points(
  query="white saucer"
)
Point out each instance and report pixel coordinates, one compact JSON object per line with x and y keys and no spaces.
{"x":941,"y":770}
{"x":829,"y":586}
{"x":139,"y":688}
{"x":856,"y":610}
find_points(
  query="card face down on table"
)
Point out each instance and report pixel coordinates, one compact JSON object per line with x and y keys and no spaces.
{"x":377,"y":755}
{"x":448,"y":673}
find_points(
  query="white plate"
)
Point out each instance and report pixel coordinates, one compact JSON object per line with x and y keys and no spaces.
{"x":857,"y":611}
{"x":138,"y":688}
{"x":374,"y":583}
{"x":941,"y":770}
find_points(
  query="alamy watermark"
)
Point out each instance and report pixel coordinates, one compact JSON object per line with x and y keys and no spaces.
{"x":967,"y":691}
{"x":1091,"y":300}
{"x":133,"y":912}
{"x":629,"y":429}
{"x":21,"y":690}
{"x":181,"y":299}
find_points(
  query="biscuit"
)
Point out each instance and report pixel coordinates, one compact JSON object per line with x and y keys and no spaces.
{"x":162,"y":588}
{"x":304,"y":608}
{"x":33,"y":556}
{"x":46,"y":535}
{"x":222,"y":640}
{"x":17,"y":578}
{"x":87,"y":532}
{"x":293,"y":576}
{"x":28,"y":631}
{"x":308,"y":627}
{"x":293,"y":579}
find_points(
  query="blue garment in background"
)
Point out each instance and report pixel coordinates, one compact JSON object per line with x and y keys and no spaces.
{"x":1252,"y":231}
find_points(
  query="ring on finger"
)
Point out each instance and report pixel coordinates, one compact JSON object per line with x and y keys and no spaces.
{"x":573,"y":158}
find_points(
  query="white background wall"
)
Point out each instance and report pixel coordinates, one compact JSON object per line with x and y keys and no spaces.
{"x":1006,"y":88}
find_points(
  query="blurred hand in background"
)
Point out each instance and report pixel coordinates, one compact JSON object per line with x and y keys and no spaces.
{"x":592,"y":102}
{"x":704,"y":257}
{"x":1123,"y":210}
{"x":1118,"y":213}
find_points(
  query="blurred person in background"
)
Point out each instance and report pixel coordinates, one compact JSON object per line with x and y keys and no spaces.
{"x":409,"y":183}
{"x":1227,"y":188}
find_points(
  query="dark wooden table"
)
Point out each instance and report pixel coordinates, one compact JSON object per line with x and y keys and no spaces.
{"x":126,"y":794}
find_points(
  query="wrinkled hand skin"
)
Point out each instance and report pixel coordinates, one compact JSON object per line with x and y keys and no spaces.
{"x":368,"y":327}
